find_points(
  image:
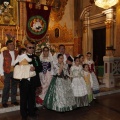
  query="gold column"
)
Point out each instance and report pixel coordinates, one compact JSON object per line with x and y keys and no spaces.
{"x":109,"y":24}
{"x":109,"y":32}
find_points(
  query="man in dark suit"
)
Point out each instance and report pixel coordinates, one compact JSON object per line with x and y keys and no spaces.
{"x":29,"y":86}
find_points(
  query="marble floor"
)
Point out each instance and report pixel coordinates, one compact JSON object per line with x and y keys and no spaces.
{"x":104,"y":108}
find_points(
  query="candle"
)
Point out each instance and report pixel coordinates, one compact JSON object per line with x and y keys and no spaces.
{"x":24,"y":32}
{"x":2,"y":34}
{"x":17,"y":27}
{"x":0,"y":45}
{"x":21,"y":34}
{"x":17,"y":34}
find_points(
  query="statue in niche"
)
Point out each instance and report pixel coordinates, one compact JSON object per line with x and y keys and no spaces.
{"x":57,"y":32}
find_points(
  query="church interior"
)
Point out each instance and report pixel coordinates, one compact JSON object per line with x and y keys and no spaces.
{"x":82,"y":26}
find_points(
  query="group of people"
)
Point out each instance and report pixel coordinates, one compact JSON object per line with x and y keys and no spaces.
{"x":58,"y":82}
{"x":67,"y":82}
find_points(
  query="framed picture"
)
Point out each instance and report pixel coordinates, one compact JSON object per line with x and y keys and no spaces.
{"x":9,"y":12}
{"x":57,"y":32}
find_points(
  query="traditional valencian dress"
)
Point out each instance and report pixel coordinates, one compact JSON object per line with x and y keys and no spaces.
{"x":79,"y":86}
{"x":22,"y":71}
{"x":94,"y":78}
{"x":89,"y":84}
{"x":60,"y":96}
{"x":45,"y":74}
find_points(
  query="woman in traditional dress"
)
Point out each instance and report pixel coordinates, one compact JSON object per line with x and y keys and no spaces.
{"x":46,"y":74}
{"x":81,"y":58}
{"x":78,"y":84}
{"x":89,"y":82}
{"x":59,"y":96}
{"x":91,"y":65}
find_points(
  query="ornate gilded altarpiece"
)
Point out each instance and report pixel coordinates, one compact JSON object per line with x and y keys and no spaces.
{"x":59,"y":34}
{"x":10,"y":16}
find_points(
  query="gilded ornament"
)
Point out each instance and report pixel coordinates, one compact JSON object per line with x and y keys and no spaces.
{"x":58,"y":8}
{"x":9,"y":13}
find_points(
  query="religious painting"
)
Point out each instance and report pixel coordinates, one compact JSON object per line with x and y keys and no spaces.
{"x":37,"y":21}
{"x":37,"y":25}
{"x":9,"y":14}
{"x":57,"y":32}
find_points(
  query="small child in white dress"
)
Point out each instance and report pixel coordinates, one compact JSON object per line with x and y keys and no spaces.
{"x":22,"y":70}
{"x":78,"y":84}
{"x":89,"y":82}
{"x":91,"y":65}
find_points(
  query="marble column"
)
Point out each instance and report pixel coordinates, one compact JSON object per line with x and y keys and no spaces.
{"x":109,"y":31}
{"x":108,"y":78}
{"x":86,"y":30}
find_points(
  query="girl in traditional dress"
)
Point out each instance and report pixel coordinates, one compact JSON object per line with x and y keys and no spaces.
{"x":22,"y":70}
{"x":81,"y":58}
{"x":59,"y":96}
{"x":46,"y":74}
{"x":91,"y":65}
{"x":78,"y":84}
{"x":69,"y":62}
{"x":89,"y":82}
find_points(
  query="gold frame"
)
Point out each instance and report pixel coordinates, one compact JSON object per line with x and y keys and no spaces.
{"x":14,"y":18}
{"x":56,"y":15}
{"x":65,"y":34}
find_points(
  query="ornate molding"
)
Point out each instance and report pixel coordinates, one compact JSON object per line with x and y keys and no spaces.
{"x":65,"y":34}
{"x":85,"y":12}
{"x":58,"y":8}
{"x":108,"y":24}
{"x":65,"y":37}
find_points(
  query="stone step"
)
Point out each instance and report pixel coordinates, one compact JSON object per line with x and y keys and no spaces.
{"x":12,"y":108}
{"x":9,"y":109}
{"x":18,"y":95}
{"x":102,"y":85}
{"x":108,"y":92}
{"x":15,"y":108}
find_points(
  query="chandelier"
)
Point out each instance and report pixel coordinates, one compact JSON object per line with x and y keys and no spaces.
{"x":105,"y":4}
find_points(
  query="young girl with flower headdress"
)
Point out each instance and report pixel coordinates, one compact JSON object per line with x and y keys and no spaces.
{"x":88,"y":60}
{"x":89,"y":81}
